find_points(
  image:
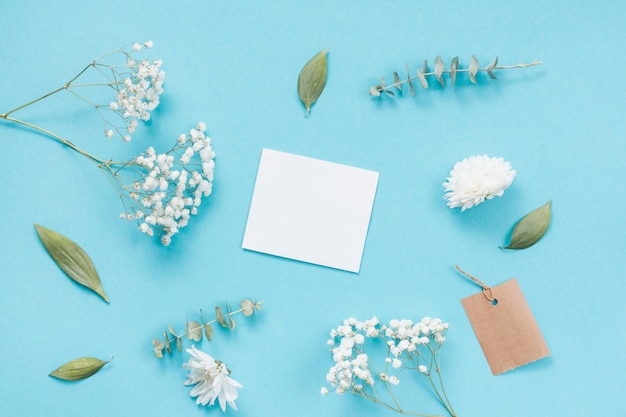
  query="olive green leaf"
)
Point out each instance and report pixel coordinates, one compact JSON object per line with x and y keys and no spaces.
{"x":72,"y":259}
{"x":530,"y":228}
{"x":473,"y":69}
{"x":158,"y":348}
{"x":219,"y":316}
{"x":78,"y":369}
{"x":312,"y":80}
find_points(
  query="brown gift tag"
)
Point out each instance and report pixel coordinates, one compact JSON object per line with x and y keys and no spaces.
{"x":505,"y":327}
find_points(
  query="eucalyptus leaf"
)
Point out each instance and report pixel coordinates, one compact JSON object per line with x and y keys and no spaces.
{"x":208,"y":331}
{"x":179,"y":344}
{"x":219,"y":316}
{"x":454,"y":65}
{"x":158,"y":348}
{"x":78,"y":369}
{"x":312,"y":80}
{"x":396,"y":81}
{"x":408,"y":75}
{"x":439,"y":65}
{"x":194,"y":331}
{"x":422,"y":79}
{"x":72,"y":259}
{"x":247,"y":308}
{"x":166,"y":342}
{"x":530,"y":228}
{"x":473,"y":69}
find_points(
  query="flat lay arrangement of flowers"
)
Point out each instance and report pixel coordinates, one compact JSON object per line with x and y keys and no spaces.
{"x":303,"y":209}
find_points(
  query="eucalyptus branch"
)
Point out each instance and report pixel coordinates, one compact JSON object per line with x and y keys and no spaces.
{"x":194,"y":330}
{"x":438,"y":71}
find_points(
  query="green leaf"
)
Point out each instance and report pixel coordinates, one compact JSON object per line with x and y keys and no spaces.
{"x":179,"y":344}
{"x":231,"y":322}
{"x":72,"y":259}
{"x":166,"y":342}
{"x":473,"y":69}
{"x":439,"y":70}
{"x":194,"y":331}
{"x":454,"y":65}
{"x":312,"y":80}
{"x":530,"y":228}
{"x":78,"y":369}
{"x":422,"y":79}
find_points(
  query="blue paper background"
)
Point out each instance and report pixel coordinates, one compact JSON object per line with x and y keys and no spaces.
{"x":234,"y":65}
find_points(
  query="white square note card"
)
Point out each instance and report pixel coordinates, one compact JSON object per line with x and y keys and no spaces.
{"x":310,"y":210}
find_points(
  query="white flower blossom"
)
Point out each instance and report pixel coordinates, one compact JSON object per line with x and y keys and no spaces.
{"x":211,"y":380}
{"x":476,"y":179}
{"x":170,"y":187}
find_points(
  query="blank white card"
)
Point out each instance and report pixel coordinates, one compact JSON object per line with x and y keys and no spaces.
{"x":310,"y":210}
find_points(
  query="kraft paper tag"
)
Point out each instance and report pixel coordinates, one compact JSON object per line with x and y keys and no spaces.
{"x":505,"y":327}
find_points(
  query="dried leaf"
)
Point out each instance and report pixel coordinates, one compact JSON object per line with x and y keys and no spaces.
{"x":396,"y":81}
{"x":219,"y":316}
{"x":422,"y":78}
{"x":208,"y":330}
{"x":312,"y":80}
{"x":408,"y":78}
{"x":72,"y":259}
{"x":78,"y":369}
{"x":489,"y":68}
{"x":439,"y":70}
{"x":375,"y":91}
{"x":179,"y":344}
{"x":257,"y":306}
{"x":172,"y":331}
{"x":158,"y":348}
{"x":530,"y":228}
{"x":454,"y":65}
{"x":425,"y":67}
{"x":166,"y":342}
{"x":247,"y":308}
{"x":473,"y":69}
{"x":194,"y":331}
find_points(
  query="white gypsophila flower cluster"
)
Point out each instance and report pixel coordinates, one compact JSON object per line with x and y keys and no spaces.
{"x":409,"y":345}
{"x":172,"y":184}
{"x":138,"y":91}
{"x":211,"y":380}
{"x":476,"y":179}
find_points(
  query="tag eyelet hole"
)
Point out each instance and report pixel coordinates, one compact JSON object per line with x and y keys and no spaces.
{"x":494,"y":302}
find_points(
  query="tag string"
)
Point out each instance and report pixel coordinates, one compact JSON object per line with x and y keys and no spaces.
{"x":487,"y":291}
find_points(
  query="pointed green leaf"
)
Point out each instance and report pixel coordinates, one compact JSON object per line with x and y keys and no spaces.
{"x":194,"y":331}
{"x":473,"y":69}
{"x":312,"y":80}
{"x":530,"y":228}
{"x":454,"y":65}
{"x":439,"y":70}
{"x":78,"y":369}
{"x":72,"y":259}
{"x":247,"y":308}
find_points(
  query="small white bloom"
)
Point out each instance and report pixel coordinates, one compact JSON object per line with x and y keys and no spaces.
{"x":148,"y":44}
{"x":211,"y":380}
{"x":422,"y":369}
{"x":324,"y":391}
{"x":393,"y":380}
{"x":476,"y":179}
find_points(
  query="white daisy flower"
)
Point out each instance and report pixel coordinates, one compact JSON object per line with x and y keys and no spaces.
{"x":476,"y":179}
{"x":211,"y":380}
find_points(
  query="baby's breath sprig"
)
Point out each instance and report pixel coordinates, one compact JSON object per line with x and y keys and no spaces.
{"x":137,"y":84}
{"x":408,"y":345}
{"x":195,"y":330}
{"x":438,"y":71}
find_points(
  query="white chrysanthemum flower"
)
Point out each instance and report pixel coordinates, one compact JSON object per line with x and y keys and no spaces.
{"x":476,"y":179}
{"x":211,"y":380}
